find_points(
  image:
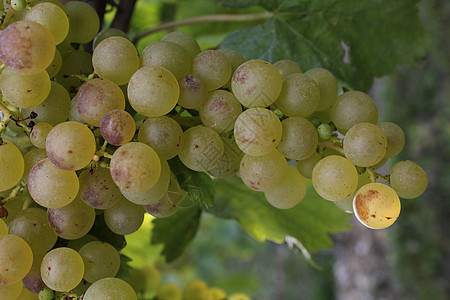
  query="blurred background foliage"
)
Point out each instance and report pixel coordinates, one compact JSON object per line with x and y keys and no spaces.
{"x":410,"y":260}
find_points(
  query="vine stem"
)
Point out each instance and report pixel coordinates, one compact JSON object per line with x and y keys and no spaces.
{"x":331,"y":144}
{"x":13,"y":192}
{"x":205,"y":18}
{"x":374,"y":176}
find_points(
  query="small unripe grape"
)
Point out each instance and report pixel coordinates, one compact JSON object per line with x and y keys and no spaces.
{"x":325,"y":131}
{"x":169,"y":291}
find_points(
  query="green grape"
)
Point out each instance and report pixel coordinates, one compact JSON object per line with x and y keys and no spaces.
{"x":201,"y":149}
{"x":125,"y":217}
{"x":117,"y":127}
{"x":115,"y":58}
{"x":84,"y":22}
{"x":153,"y":91}
{"x":39,"y":134}
{"x":289,"y":192}
{"x":408,"y":179}
{"x":351,"y":108}
{"x":24,"y":91}
{"x":74,"y":115}
{"x":3,"y":227}
{"x":110,"y":288}
{"x":239,"y":296}
{"x":365,"y":144}
{"x":11,"y":165}
{"x":213,"y":67}
{"x":287,"y":67}
{"x":52,"y":17}
{"x":33,"y":280}
{"x":299,"y":138}
{"x":11,"y":291}
{"x":235,"y":59}
{"x":325,"y":131}
{"x":26,"y":47}
{"x":169,"y":203}
{"x":347,"y":204}
{"x":220,"y":111}
{"x":62,"y":269}
{"x":257,"y":131}
{"x":334,"y":178}
{"x":228,"y":163}
{"x":78,"y":243}
{"x":70,"y":146}
{"x":395,"y":138}
{"x":18,"y":5}
{"x":100,"y":260}
{"x":215,"y":293}
{"x":54,"y":109}
{"x":56,"y":2}
{"x":256,"y":83}
{"x":168,"y":55}
{"x":169,"y":291}
{"x":72,"y":221}
{"x":196,"y":290}
{"x":104,"y":34}
{"x":261,"y":173}
{"x":327,"y":85}
{"x":30,"y":159}
{"x":74,"y":62}
{"x":97,"y":189}
{"x":193,"y":91}
{"x":46,"y":294}
{"x":26,"y":294}
{"x":299,"y":97}
{"x":50,"y":186}
{"x":156,"y":192}
{"x":16,"y":259}
{"x":135,"y":167}
{"x":163,"y":134}
{"x":186,"y":41}
{"x":376,"y":205}
{"x":96,"y":97}
{"x":55,"y":65}
{"x":31,"y":224}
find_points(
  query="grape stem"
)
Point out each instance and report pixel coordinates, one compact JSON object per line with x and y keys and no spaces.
{"x":203,"y":19}
{"x":375,"y":175}
{"x":13,"y":192}
{"x":333,"y":143}
{"x":10,"y":113}
{"x":7,"y":18}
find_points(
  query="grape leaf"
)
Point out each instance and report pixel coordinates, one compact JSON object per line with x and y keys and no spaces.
{"x":124,"y":269}
{"x":356,"y":40}
{"x":176,"y":231}
{"x":310,"y":222}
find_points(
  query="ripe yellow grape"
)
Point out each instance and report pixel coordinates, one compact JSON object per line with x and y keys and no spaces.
{"x":97,"y":189}
{"x":26,"y":47}
{"x":287,"y":67}
{"x":256,"y":83}
{"x":115,"y":58}
{"x":33,"y":280}
{"x":135,"y":167}
{"x":110,"y":288}
{"x":39,"y":134}
{"x":215,"y":293}
{"x":109,"y":32}
{"x":62,"y":269}
{"x":327,"y":85}
{"x":50,"y":186}
{"x":408,"y":179}
{"x":100,"y":260}
{"x":153,"y":91}
{"x":289,"y":192}
{"x":16,"y":259}
{"x":11,"y":291}
{"x":376,"y":205}
{"x":84,"y":22}
{"x":26,"y":294}
{"x":11,"y":165}
{"x":299,"y":138}
{"x":239,"y":296}
{"x":213,"y":67}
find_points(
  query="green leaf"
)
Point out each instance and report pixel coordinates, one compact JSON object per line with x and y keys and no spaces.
{"x":124,"y":269}
{"x":379,"y":35}
{"x":104,"y":234}
{"x":176,"y":231}
{"x":310,"y":222}
{"x":198,"y":185}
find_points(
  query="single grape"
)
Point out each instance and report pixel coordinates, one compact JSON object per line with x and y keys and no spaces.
{"x":46,"y":294}
{"x":299,"y":96}
{"x":153,"y":91}
{"x":365,"y":144}
{"x":135,"y":167}
{"x":84,"y":22}
{"x":18,"y":5}
{"x":376,"y":205}
{"x":169,"y":291}
{"x":30,"y":159}
{"x":117,"y":127}
{"x":213,"y":67}
{"x":74,"y":115}
{"x":287,"y":67}
{"x":100,"y":260}
{"x":325,"y":131}
{"x":289,"y":192}
{"x":3,"y":227}
{"x":115,"y":58}
{"x":163,"y":134}
{"x":26,"y":294}
{"x":11,"y":165}
{"x":261,"y":173}
{"x":186,"y":41}
{"x":257,"y":131}
{"x":108,"y":32}
{"x":395,"y":138}
{"x":50,"y":186}
{"x":327,"y":85}
{"x":39,"y":134}
{"x":193,"y":91}
{"x":299,"y":138}
{"x":408,"y":179}
{"x":334,"y":178}
{"x":11,"y":291}
{"x":110,"y":288}
{"x":125,"y":217}
{"x":16,"y":259}
{"x":145,"y":280}
{"x":73,"y":220}
{"x":201,"y":149}
{"x":26,"y":47}
{"x":70,"y":146}
{"x":220,"y":111}
{"x":165,"y":207}
{"x":256,"y":83}
{"x":62,"y":269}
{"x":196,"y":290}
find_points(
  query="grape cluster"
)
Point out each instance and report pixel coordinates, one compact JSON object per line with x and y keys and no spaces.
{"x":99,"y":130}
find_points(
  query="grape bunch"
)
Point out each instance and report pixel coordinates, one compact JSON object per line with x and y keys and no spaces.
{"x":89,"y":137}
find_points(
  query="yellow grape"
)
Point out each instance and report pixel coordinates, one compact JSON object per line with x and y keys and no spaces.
{"x":289,"y":192}
{"x":3,"y":227}
{"x":16,"y":259}
{"x":193,"y":91}
{"x":11,"y":165}
{"x":327,"y":85}
{"x":287,"y":67}
{"x":110,"y":288}
{"x":84,"y":22}
{"x":213,"y":67}
{"x":100,"y":260}
{"x":186,"y":41}
{"x":299,"y":138}
{"x":408,"y":179}
{"x":55,"y":65}
{"x":30,"y":159}
{"x":39,"y":134}
{"x":125,"y":217}
{"x":117,"y":127}
{"x":11,"y":291}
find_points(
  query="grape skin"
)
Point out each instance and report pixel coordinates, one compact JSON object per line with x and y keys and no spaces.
{"x":213,"y":67}
{"x":299,"y":138}
{"x":287,"y":67}
{"x":100,"y":260}
{"x":39,"y":134}
{"x":193,"y":91}
{"x":327,"y":85}
{"x":16,"y":259}
{"x":84,"y":22}
{"x":110,"y":288}
{"x":117,"y":127}
{"x":289,"y":192}
{"x":125,"y":217}
{"x":11,"y":291}
{"x":220,"y":111}
{"x":408,"y":179}
{"x":395,"y":138}
{"x":3,"y":227}
{"x":306,"y":166}
{"x":186,"y":41}
{"x":169,"y":291}
{"x":11,"y":165}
